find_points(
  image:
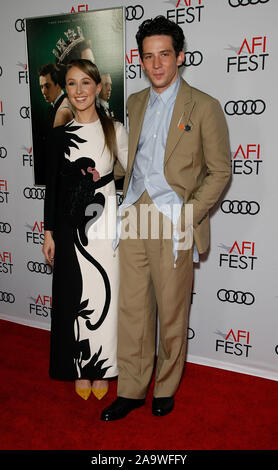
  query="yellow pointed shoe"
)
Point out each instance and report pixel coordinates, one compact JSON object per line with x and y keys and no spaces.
{"x":83,"y":392}
{"x":99,"y":392}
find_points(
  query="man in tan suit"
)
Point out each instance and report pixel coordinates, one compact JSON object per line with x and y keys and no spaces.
{"x":178,"y":154}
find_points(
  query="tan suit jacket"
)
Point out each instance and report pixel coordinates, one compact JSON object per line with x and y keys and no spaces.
{"x":197,"y":154}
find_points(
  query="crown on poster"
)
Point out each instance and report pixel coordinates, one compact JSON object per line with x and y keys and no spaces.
{"x":64,"y":47}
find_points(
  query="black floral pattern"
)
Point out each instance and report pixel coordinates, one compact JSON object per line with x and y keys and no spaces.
{"x":81,"y":181}
{"x":70,"y":138}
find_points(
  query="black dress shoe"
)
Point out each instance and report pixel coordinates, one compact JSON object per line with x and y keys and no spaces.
{"x":162,"y":406}
{"x":120,"y":408}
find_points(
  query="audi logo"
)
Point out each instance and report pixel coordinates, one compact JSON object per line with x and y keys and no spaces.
{"x":24,"y":112}
{"x":247,"y":107}
{"x":34,"y":193}
{"x":36,"y":267}
{"x":244,"y":3}
{"x":135,"y":12}
{"x":190,"y":333}
{"x":3,"y":152}
{"x":7,"y":297}
{"x":193,"y":58}
{"x":240,"y":207}
{"x":5,"y":227}
{"x":120,"y":198}
{"x":19,"y":25}
{"x":238,"y":297}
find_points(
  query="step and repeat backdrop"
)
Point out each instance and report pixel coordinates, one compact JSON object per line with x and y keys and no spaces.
{"x":231,"y":53}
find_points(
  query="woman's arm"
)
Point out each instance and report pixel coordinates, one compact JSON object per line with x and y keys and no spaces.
{"x":122,"y":147}
{"x":48,"y":248}
{"x":51,"y":188}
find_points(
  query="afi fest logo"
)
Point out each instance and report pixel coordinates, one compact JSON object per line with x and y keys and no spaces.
{"x":186,"y":11}
{"x":22,"y":74}
{"x":2,"y":114}
{"x":27,"y":157}
{"x":133,"y":68}
{"x":235,"y":342}
{"x":250,"y":56}
{"x":247,"y":159}
{"x":6,"y":264}
{"x":41,"y":305}
{"x":36,"y":233}
{"x":4,"y":192}
{"x":80,"y":8}
{"x":240,"y":256}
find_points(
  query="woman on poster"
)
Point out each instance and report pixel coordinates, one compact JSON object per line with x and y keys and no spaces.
{"x":80,"y":224}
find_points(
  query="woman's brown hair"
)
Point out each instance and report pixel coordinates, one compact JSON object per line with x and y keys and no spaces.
{"x":107,"y":124}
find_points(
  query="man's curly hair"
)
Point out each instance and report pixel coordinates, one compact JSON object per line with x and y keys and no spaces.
{"x":160,"y":26}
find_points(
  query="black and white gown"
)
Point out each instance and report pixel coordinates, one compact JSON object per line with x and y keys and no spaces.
{"x":80,"y":209}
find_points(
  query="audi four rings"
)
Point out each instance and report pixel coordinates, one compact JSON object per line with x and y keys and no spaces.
{"x":193,"y":58}
{"x":34,"y":193}
{"x":19,"y":25}
{"x":25,"y":112}
{"x":243,"y":3}
{"x":247,"y":107}
{"x":7,"y":297}
{"x":135,"y":12}
{"x":5,"y":227}
{"x":3,"y":152}
{"x":237,"y":297}
{"x":120,"y":197}
{"x":240,"y":207}
{"x":36,"y":267}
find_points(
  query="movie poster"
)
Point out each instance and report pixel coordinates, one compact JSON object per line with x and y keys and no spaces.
{"x":52,"y":42}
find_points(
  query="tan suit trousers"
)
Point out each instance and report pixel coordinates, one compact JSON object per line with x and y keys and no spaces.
{"x":150,"y":283}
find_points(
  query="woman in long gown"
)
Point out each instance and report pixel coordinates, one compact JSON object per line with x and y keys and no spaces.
{"x":80,"y":223}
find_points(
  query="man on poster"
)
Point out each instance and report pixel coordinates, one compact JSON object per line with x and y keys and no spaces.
{"x":59,"y":112}
{"x":179,"y":155}
{"x":105,"y":93}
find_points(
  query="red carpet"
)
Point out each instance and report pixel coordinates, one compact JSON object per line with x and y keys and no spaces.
{"x":214,"y":410}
